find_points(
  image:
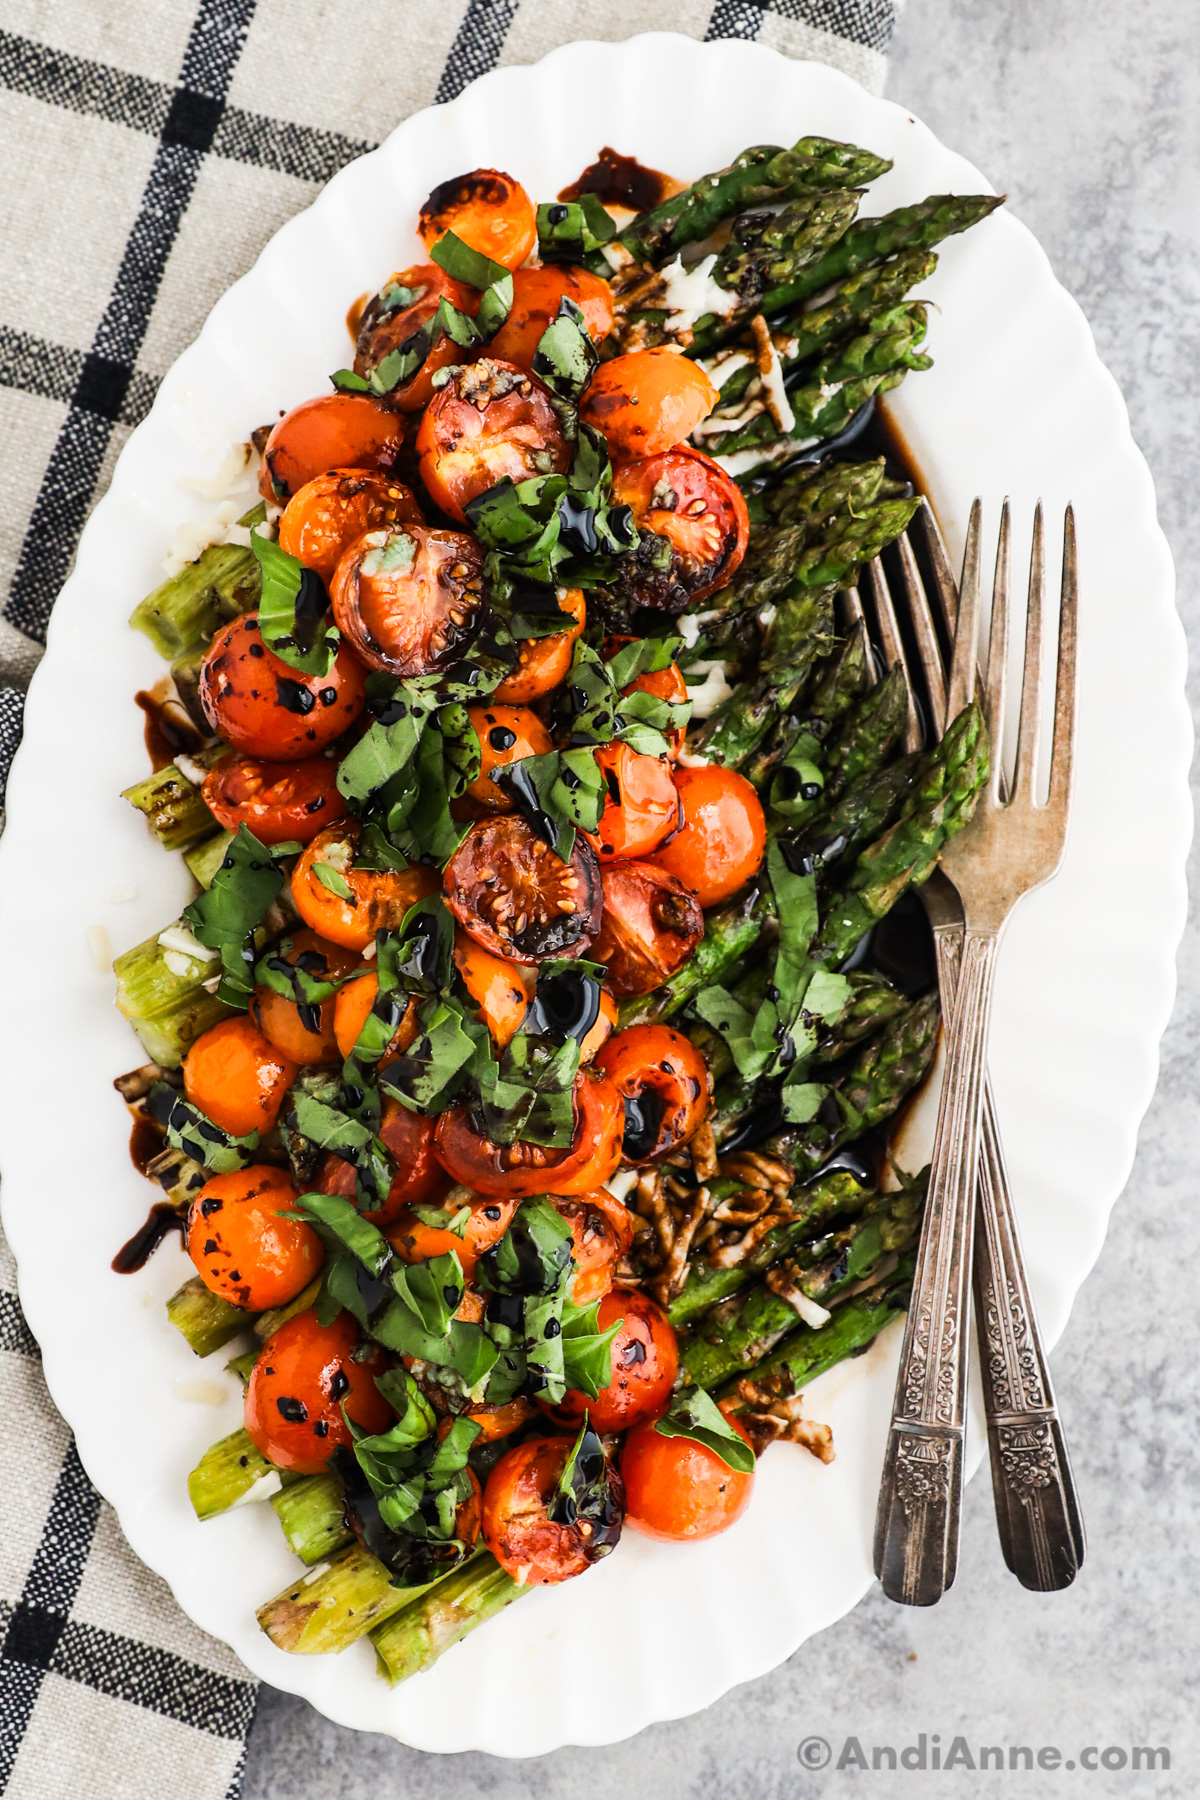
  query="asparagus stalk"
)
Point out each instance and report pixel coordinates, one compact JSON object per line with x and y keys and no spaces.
{"x":866,"y":739}
{"x":730,"y":931}
{"x":230,"y":1472}
{"x":173,"y":808}
{"x":312,"y":1512}
{"x":767,"y":248}
{"x":224,"y":580}
{"x":815,"y":496}
{"x":206,"y":858}
{"x":159,"y":991}
{"x":335,"y":1604}
{"x":862,"y":813}
{"x":268,"y":1323}
{"x":178,"y":1175}
{"x":801,"y":632}
{"x":413,"y":1638}
{"x":208,"y":1321}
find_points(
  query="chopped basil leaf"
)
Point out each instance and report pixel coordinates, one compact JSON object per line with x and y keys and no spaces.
{"x":802,"y":1100}
{"x":583,"y":1493}
{"x":572,"y":231}
{"x":434,"y":1068}
{"x":329,"y":878}
{"x":566,"y":358}
{"x":494,"y":281}
{"x":293,"y":609}
{"x":432,"y":1290}
{"x":229,"y":912}
{"x":694,"y":1414}
{"x":587,"y":1351}
{"x":555,"y":793}
{"x":290,"y":980}
{"x":344,"y":1223}
{"x":193,"y":1132}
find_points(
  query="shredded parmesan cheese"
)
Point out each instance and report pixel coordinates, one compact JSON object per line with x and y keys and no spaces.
{"x":190,"y":769}
{"x":231,"y":473}
{"x":712,"y":692}
{"x":691,"y":762}
{"x":100,"y":948}
{"x":771,"y":371}
{"x":620,"y":1184}
{"x":690,"y":293}
{"x":177,"y":939}
{"x":195,"y":535}
{"x":720,"y":368}
{"x":201,"y":1393}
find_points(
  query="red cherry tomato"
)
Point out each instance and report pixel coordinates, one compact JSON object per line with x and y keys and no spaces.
{"x":415,"y":1241}
{"x":664,"y":684}
{"x":721,"y":842}
{"x":665,"y":1084}
{"x":236,"y":1077}
{"x":334,"y":431}
{"x":518,"y":1529}
{"x":506,"y":734}
{"x":686,"y":498}
{"x":679,"y":1490}
{"x":647,"y":402}
{"x":383,"y":327}
{"x":305,"y":1033}
{"x":261,"y":705}
{"x":280,"y":802}
{"x":488,"y":210}
{"x":517,"y":898}
{"x":645,"y":1362}
{"x":488,"y":421}
{"x":536,"y":297}
{"x":406,"y":597}
{"x":304,"y":1375}
{"x":515,"y":1170}
{"x":649,"y":928}
{"x":243,"y":1248}
{"x":641,"y":806}
{"x":333,"y":510}
{"x":419,"y":1180}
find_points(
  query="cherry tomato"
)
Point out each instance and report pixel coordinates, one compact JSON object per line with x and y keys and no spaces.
{"x":641,"y":807}
{"x":334,"y":431}
{"x":406,"y":598}
{"x":280,"y":802}
{"x":236,"y":1077}
{"x":517,"y":1525}
{"x":333,"y":510}
{"x":261,"y":705}
{"x":686,"y":498}
{"x":542,"y":663}
{"x":380,"y":331}
{"x":506,"y":734}
{"x":602,"y":1030}
{"x":721,"y":842}
{"x":351,"y":1006}
{"x":305,"y":1033}
{"x":242,"y":1247}
{"x":488,"y":210}
{"x":304,"y":1374}
{"x":664,"y":1081}
{"x":500,"y":1421}
{"x":663,"y":684}
{"x":379,"y":898}
{"x":515,"y":1170}
{"x":647,"y":402}
{"x":649,"y":928}
{"x":489,"y":420}
{"x":516,"y":897}
{"x":536,"y":297}
{"x":414,"y":1241}
{"x":502,"y":987}
{"x":645,"y":1362}
{"x":597,"y":1246}
{"x":679,"y":1490}
{"x":419,"y":1179}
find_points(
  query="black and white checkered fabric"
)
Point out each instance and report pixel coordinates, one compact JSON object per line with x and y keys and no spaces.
{"x":148,"y":153}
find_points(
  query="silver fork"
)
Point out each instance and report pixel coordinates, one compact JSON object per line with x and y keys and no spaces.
{"x":1013,"y":846}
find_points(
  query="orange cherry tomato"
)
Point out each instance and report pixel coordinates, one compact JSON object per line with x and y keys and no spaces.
{"x":686,"y":498}
{"x":241,"y":1246}
{"x":236,"y":1077}
{"x":649,"y":927}
{"x":380,"y":331}
{"x":597,"y":1246}
{"x":721,"y":842}
{"x":502,"y":987}
{"x":647,"y":402}
{"x":542,"y":663}
{"x":304,"y":1374}
{"x":304,"y":1033}
{"x":645,"y":1362}
{"x":500,"y":1421}
{"x":488,"y":421}
{"x":414,"y":1241}
{"x":515,"y":1170}
{"x":333,"y":510}
{"x":379,"y":898}
{"x":334,"y":431}
{"x":602,"y":1030}
{"x":665,"y":1084}
{"x":536,"y":297}
{"x":419,"y":1179}
{"x":516,"y":897}
{"x":351,"y":1006}
{"x":280,"y":802}
{"x":664,"y":684}
{"x":641,"y":807}
{"x":506,"y":734}
{"x":406,"y":597}
{"x":488,"y":210}
{"x":679,"y":1490}
{"x":261,"y":705}
{"x":518,"y":1528}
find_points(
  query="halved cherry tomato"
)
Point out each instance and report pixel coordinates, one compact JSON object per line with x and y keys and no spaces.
{"x":664,"y":684}
{"x":645,"y":1362}
{"x":641,"y":807}
{"x":488,"y":210}
{"x":305,"y":1033}
{"x":351,"y":1006}
{"x":500,"y":1421}
{"x":489,"y":420}
{"x":679,"y":1490}
{"x":242,"y":1246}
{"x":414,"y":1241}
{"x":333,"y":510}
{"x":515,"y":1170}
{"x":649,"y":927}
{"x":721,"y":842}
{"x":597,"y":1246}
{"x":382,"y":330}
{"x":261,"y":705}
{"x":502,"y":987}
{"x":334,"y":431}
{"x":542,"y":663}
{"x":686,"y":498}
{"x":602,"y":1030}
{"x":516,"y":897}
{"x":536,"y":297}
{"x":236,"y":1077}
{"x":406,"y":598}
{"x":280,"y":802}
{"x":379,"y":898}
{"x":419,"y":1179}
{"x":506,"y":734}
{"x":304,"y":1374}
{"x":664,"y":1081}
{"x":518,"y":1529}
{"x":647,"y":402}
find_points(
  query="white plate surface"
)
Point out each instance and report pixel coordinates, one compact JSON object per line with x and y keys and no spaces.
{"x":1018,"y":403}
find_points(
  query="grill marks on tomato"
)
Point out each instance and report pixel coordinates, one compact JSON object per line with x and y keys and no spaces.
{"x":516,"y":897}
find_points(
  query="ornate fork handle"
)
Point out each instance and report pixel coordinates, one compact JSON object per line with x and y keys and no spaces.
{"x":1037,"y":1508}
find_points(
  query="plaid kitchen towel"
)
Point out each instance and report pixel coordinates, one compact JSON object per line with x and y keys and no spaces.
{"x":148,"y":152}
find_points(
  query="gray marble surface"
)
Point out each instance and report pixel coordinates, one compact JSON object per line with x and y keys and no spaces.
{"x":1088,"y":113}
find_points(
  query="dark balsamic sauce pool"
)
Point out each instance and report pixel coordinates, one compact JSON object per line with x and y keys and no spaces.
{"x":622,"y":181}
{"x":161,"y":1221}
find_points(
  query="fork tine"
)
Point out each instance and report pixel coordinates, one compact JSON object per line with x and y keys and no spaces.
{"x":893,"y":648}
{"x":856,"y":620}
{"x":945,"y":587}
{"x":997,"y":663}
{"x":925,"y":632}
{"x":962,"y":672}
{"x":1024,"y":782}
{"x":1062,"y":754}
